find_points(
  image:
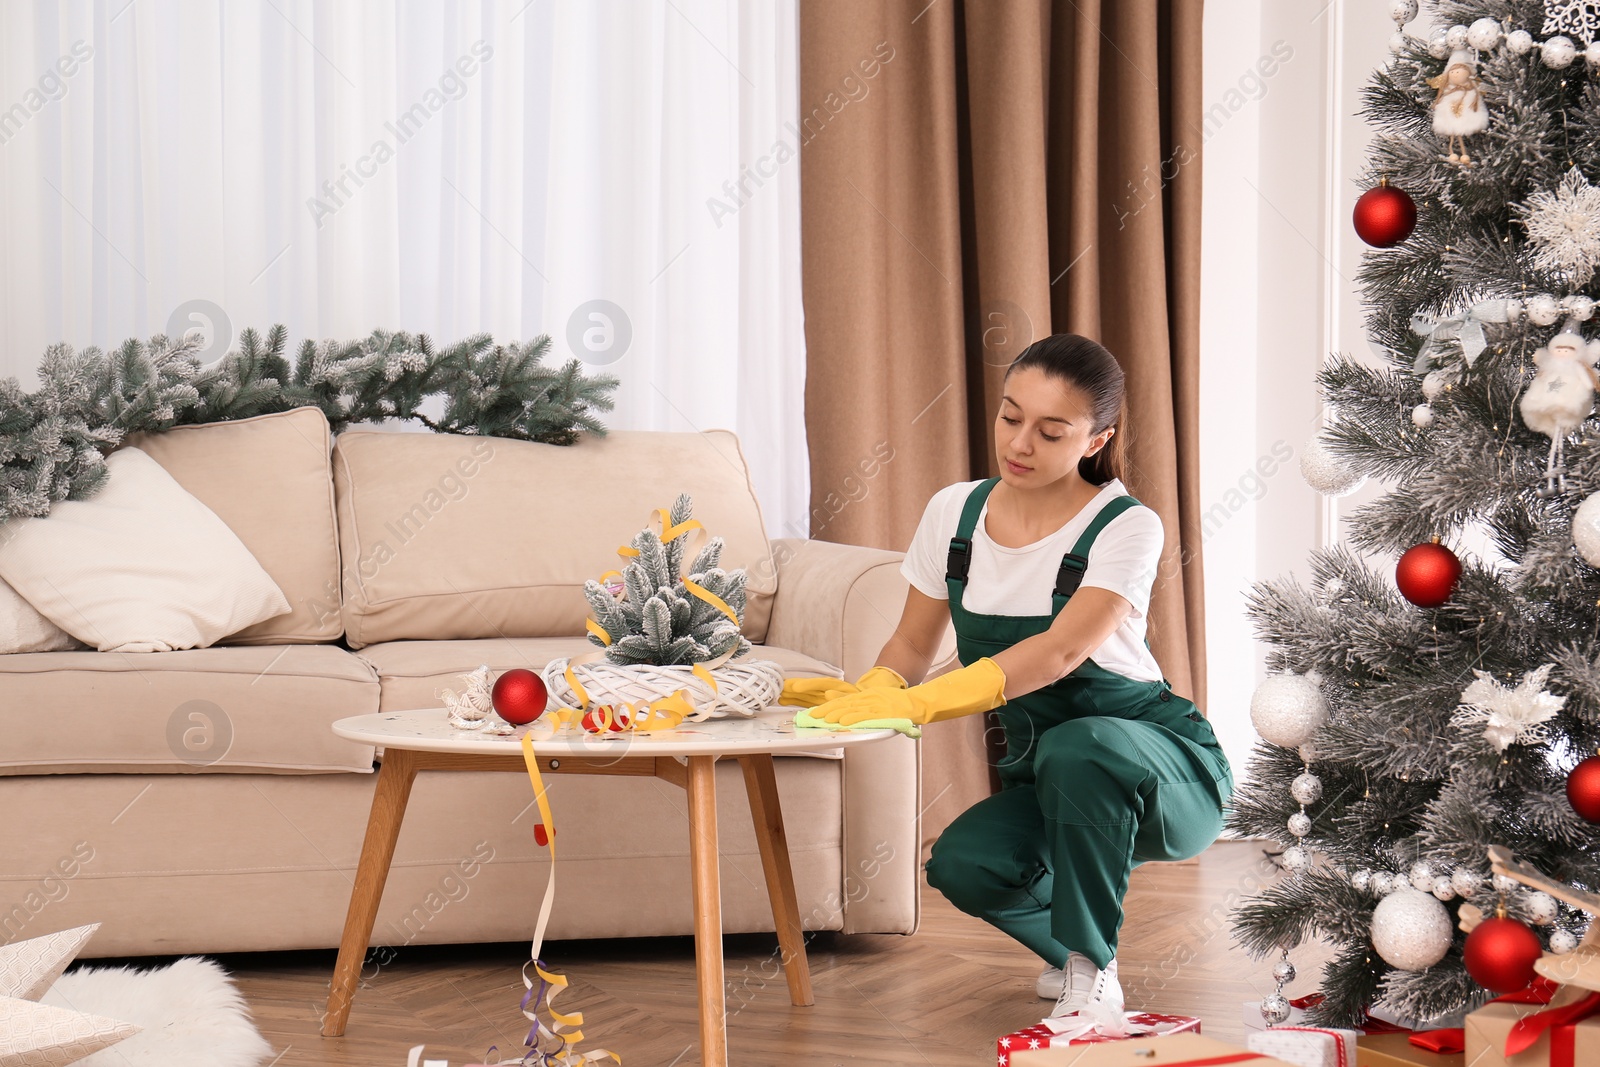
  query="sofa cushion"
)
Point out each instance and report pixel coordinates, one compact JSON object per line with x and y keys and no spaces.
{"x":260,"y":708}
{"x":270,"y":480}
{"x":411,"y":673}
{"x":446,"y":536}
{"x":141,"y":566}
{"x":23,"y":629}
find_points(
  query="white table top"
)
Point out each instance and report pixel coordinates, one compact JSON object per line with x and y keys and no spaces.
{"x":774,"y":731}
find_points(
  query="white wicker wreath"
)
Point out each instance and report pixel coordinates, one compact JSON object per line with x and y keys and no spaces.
{"x":744,"y":687}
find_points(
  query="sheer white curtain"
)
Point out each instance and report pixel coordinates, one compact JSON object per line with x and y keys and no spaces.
{"x":609,"y":173}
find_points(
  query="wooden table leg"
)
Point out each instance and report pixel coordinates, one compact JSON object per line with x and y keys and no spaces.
{"x":389,"y":798}
{"x":761,"y":783}
{"x":702,"y":790}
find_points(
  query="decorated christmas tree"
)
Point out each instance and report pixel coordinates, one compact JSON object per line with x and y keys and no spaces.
{"x":1435,"y":688}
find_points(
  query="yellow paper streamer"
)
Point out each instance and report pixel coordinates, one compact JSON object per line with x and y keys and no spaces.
{"x":570,"y":1036}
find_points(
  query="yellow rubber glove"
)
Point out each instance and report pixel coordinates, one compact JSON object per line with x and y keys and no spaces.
{"x":978,"y":687}
{"x":810,"y":692}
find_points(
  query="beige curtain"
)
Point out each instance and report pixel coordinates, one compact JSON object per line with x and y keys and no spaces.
{"x":976,"y":175}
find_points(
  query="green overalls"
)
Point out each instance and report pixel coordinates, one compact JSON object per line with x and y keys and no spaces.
{"x":1102,"y":772}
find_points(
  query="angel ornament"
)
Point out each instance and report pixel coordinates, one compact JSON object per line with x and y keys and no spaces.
{"x":1561,"y":394}
{"x":1458,"y":110}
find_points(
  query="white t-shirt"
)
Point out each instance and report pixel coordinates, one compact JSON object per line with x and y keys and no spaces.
{"x":1019,"y":581}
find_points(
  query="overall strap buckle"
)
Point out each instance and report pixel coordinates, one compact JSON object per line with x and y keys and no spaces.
{"x":1070,"y":574}
{"x":958,"y":559}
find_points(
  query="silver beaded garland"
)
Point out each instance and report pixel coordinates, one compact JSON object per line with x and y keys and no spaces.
{"x":1283,"y":971}
{"x":1563,"y":941}
{"x":1465,"y":882}
{"x":1541,"y":908}
{"x":1362,"y":879}
{"x":1299,"y":824}
{"x":1296,"y":859}
{"x":1275,"y":1008}
{"x":1306,"y":788}
{"x":1443,"y":889}
{"x":1421,"y":877}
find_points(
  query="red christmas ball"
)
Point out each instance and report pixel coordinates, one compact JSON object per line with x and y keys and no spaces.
{"x":519,"y":696}
{"x":1384,"y":215}
{"x":1427,"y":574}
{"x":1583,"y":789}
{"x":1500,"y":954}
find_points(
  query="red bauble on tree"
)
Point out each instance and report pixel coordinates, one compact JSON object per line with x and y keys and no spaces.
{"x":1384,"y":215}
{"x":1583,"y":789}
{"x":1500,"y":954}
{"x":1427,"y":574}
{"x":519,"y":696}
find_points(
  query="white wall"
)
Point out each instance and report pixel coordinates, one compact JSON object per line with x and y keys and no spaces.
{"x":1283,"y":143}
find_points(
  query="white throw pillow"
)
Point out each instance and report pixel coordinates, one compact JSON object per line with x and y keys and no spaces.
{"x":141,"y":566}
{"x":22,"y":629}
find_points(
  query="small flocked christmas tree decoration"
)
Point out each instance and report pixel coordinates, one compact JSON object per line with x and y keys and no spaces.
{"x":1424,"y":705}
{"x":653,"y":617}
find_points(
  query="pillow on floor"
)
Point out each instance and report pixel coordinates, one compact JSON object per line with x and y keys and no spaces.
{"x":141,"y":566}
{"x":22,"y":629}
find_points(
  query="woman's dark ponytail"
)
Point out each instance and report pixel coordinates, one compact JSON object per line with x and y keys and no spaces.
{"x":1086,"y":364}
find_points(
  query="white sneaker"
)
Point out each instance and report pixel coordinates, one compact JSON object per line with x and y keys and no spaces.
{"x":1083,"y":984}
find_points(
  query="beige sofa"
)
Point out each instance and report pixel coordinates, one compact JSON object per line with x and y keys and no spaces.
{"x":197,"y":801}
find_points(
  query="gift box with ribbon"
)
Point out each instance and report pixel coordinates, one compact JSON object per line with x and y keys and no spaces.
{"x":1173,"y":1050}
{"x":1306,"y":1046}
{"x":1087,"y":1029}
{"x":1426,"y":1048}
{"x":1545,"y":1025}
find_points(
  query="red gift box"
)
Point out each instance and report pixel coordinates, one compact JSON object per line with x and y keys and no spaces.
{"x":1144,"y":1024}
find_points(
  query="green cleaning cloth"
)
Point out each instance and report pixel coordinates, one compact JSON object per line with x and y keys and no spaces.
{"x":806,"y":721}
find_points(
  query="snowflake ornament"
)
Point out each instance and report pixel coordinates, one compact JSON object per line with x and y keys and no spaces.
{"x":1510,"y":716}
{"x":1564,"y":227}
{"x":1575,"y":18}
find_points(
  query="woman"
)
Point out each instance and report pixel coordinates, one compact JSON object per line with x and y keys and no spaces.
{"x":1046,"y":574}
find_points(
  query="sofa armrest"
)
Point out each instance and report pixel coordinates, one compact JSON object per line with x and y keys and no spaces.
{"x":840,"y":603}
{"x":837,"y":603}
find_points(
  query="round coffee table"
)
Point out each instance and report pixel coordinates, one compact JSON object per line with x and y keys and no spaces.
{"x":415,"y":741}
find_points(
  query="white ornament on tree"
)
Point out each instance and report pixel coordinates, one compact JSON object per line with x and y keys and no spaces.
{"x":1443,"y":889}
{"x":1459,"y":110}
{"x":1435,"y":382}
{"x":1296,"y":859}
{"x":1543,"y":310}
{"x":1558,"y":52}
{"x":1411,"y":930}
{"x":1563,"y":227}
{"x":1326,"y":472}
{"x":1563,"y":941}
{"x":1287,"y":709}
{"x":1381,"y":882}
{"x":1541,"y":908}
{"x":1438,"y":47}
{"x":1561,"y":395}
{"x":1306,"y":788}
{"x":1403,"y":11}
{"x":1483,"y":34}
{"x":1421,"y":876}
{"x":1361,"y":879}
{"x":1422,"y":416}
{"x":1586,"y":529}
{"x":1509,"y":716}
{"x":1520,"y":42}
{"x":1456,"y":37}
{"x":1300,"y":824}
{"x":1464,"y":881}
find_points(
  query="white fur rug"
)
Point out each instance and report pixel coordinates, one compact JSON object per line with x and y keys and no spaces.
{"x":191,"y":1013}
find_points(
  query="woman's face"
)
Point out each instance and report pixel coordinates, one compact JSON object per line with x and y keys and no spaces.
{"x":1044,"y":427}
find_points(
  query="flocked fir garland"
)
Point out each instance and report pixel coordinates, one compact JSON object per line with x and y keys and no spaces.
{"x":1402,"y":741}
{"x":53,"y":441}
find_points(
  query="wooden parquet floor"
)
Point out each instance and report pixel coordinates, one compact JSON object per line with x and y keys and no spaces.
{"x":939,"y":997}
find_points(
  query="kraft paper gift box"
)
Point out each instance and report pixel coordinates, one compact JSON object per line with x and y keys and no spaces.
{"x":1562,"y":1033}
{"x":1172,"y":1050}
{"x":1396,"y":1050}
{"x":1306,"y":1046}
{"x":1142,"y":1023}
